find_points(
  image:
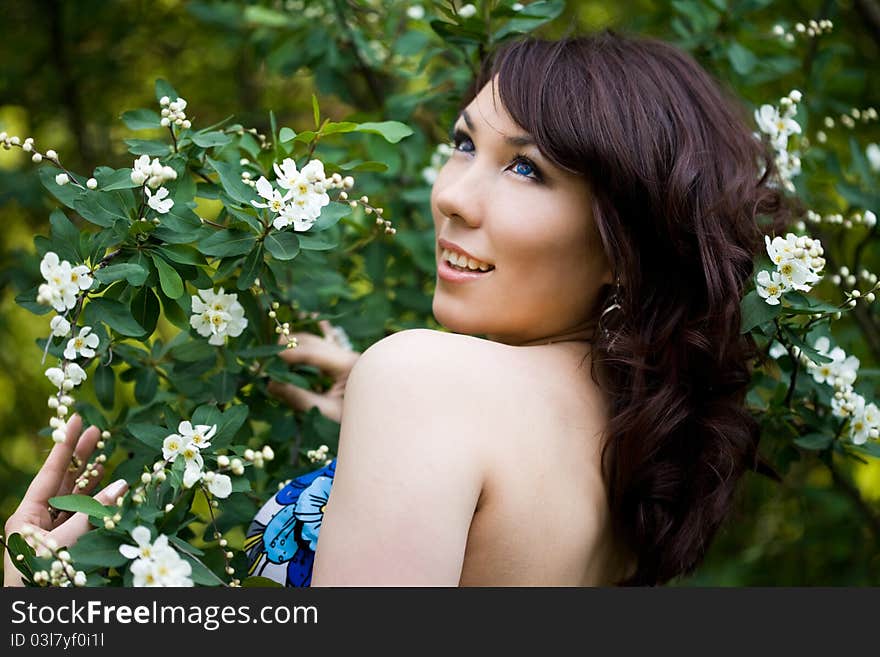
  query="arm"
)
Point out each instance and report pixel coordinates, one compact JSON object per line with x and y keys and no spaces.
{"x":409,"y":470}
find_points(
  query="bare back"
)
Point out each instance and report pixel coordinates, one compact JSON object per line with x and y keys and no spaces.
{"x":542,"y":517}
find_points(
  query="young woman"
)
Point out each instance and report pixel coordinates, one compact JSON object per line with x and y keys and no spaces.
{"x":603,"y":193}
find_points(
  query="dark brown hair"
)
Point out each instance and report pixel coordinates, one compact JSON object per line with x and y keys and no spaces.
{"x":679,"y":184}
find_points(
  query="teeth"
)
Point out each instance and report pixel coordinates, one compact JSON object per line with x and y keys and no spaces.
{"x":463,"y":261}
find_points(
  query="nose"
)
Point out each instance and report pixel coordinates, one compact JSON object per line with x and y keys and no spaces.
{"x":461,"y":191}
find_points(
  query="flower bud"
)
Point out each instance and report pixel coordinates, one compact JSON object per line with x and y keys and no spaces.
{"x":91,"y":183}
{"x":36,"y":157}
{"x":165,"y":122}
{"x":223,"y":461}
{"x":146,"y":478}
{"x":58,"y":435}
{"x":52,"y":155}
{"x":62,"y":179}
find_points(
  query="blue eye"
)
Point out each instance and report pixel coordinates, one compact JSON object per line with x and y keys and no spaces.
{"x":522,"y":165}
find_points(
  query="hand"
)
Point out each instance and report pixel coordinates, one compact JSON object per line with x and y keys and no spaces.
{"x":330,"y":357}
{"x":56,"y":478}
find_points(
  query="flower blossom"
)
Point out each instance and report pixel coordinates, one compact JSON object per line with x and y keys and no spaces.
{"x":83,"y":344}
{"x":153,"y":173}
{"x":156,"y":202}
{"x":798,"y":261}
{"x":306,"y":194}
{"x":63,"y":282}
{"x":156,"y":564}
{"x":779,"y":124}
{"x":60,"y":327}
{"x":217,"y":315}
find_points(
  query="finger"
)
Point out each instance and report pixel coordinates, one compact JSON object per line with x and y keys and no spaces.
{"x":327,"y":329}
{"x":45,"y":483}
{"x":84,"y":449}
{"x":78,"y":524}
{"x":304,"y":400}
{"x":91,"y":484}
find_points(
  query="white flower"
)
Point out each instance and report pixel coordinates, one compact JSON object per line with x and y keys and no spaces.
{"x":199,"y":436}
{"x":85,"y":344}
{"x":873,"y":154}
{"x":217,"y":315}
{"x":144,"y":549}
{"x":781,"y":249}
{"x":60,"y":327}
{"x":275,"y":200}
{"x":859,"y":427}
{"x":770,"y":286}
{"x":777,"y":350}
{"x":74,"y":373}
{"x":56,"y":376}
{"x":156,"y":202}
{"x":60,"y":290}
{"x":467,"y":11}
{"x":81,"y":277}
{"x":172,"y":446}
{"x":220,"y":485}
{"x":286,"y":173}
{"x":415,"y":12}
{"x":158,"y":564}
{"x":151,"y":172}
{"x":192,"y":473}
{"x":798,"y":276}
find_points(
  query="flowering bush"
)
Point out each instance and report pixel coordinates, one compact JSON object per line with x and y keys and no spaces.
{"x":178,"y":273}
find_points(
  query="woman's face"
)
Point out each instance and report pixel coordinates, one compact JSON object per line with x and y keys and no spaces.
{"x":529,"y":219}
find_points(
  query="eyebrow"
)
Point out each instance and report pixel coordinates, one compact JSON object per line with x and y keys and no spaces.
{"x":513,"y":140}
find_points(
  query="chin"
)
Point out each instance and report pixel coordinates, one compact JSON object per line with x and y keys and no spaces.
{"x":459,"y":320}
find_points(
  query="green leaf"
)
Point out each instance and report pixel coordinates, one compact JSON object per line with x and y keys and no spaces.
{"x":164,"y":88}
{"x":316,"y":243}
{"x":112,"y":179}
{"x":283,"y":245}
{"x":330,"y":216}
{"x":251,"y":268}
{"x":98,"y":548}
{"x":116,"y":315}
{"x":145,"y":310}
{"x":151,"y":147}
{"x":101,"y":208}
{"x":17,"y":545}
{"x":146,"y":383}
{"x":67,"y":194}
{"x":316,"y":112}
{"x":149,"y":434}
{"x":741,"y":58}
{"x":228,"y":243}
{"x":169,"y":279}
{"x":259,"y":582}
{"x":182,"y":253}
{"x":211,"y":139}
{"x":362,"y":165}
{"x":105,"y":386}
{"x":333,"y":128}
{"x":755,"y":311}
{"x":814,"y":441}
{"x":392,"y":131}
{"x":65,"y":237}
{"x":230,"y":179}
{"x":230,"y":422}
{"x":141,"y":119}
{"x":201,"y":574}
{"x":80,"y":504}
{"x":135,"y":274}
{"x":286,"y":135}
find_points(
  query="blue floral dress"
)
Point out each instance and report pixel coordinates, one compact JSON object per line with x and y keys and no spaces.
{"x":283,"y":536}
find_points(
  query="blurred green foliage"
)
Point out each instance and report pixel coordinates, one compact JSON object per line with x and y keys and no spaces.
{"x":72,"y":67}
